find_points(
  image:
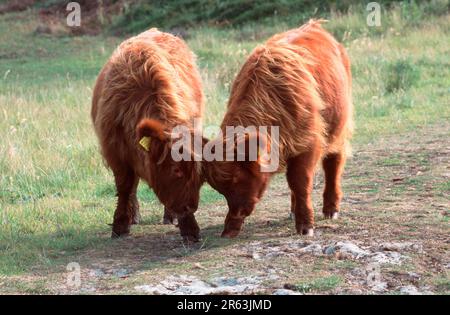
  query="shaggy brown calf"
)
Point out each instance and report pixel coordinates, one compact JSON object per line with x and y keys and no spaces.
{"x":299,"y":80}
{"x":149,"y":85}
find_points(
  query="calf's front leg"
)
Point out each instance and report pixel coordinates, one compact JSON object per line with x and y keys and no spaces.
{"x":167,"y":217}
{"x":126,"y":184}
{"x":233,"y":224}
{"x":189,"y":229}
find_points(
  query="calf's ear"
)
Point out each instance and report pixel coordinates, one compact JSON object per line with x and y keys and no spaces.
{"x":148,"y":130}
{"x":152,"y":128}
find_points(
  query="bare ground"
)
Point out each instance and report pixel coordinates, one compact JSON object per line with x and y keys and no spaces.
{"x":392,"y":238}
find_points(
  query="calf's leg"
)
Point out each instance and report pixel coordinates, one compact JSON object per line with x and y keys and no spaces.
{"x":136,"y":215}
{"x":189,"y":229}
{"x":300,"y":176}
{"x":167,"y":217}
{"x":292,"y":214}
{"x":233,"y":223}
{"x":126,"y":183}
{"x":333,"y":166}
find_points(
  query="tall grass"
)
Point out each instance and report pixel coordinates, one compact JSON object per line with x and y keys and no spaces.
{"x":226,"y":13}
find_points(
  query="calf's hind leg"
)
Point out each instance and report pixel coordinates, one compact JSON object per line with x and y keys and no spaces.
{"x":292,"y":214}
{"x":333,"y":166}
{"x":300,"y":176}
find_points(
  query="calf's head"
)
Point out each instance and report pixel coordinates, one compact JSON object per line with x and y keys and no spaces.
{"x":241,"y":182}
{"x":176,"y":183}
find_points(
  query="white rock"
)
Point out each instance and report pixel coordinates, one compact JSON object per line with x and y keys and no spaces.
{"x":378,"y":286}
{"x":329,"y":250}
{"x":392,"y":258}
{"x":190,"y":285}
{"x":97,"y":273}
{"x":285,"y":292}
{"x":351,"y":249}
{"x":121,"y":273}
{"x":315,"y":249}
{"x":399,"y":246}
{"x":410,"y":290}
{"x":256,"y":256}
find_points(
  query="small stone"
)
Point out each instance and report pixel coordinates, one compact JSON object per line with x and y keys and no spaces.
{"x":396,"y":246}
{"x":413,"y":275}
{"x":379,"y":286}
{"x":285,"y":292}
{"x":256,"y":256}
{"x":392,"y":258}
{"x":98,"y":273}
{"x":410,"y":290}
{"x":351,"y":249}
{"x":121,"y":273}
{"x":329,"y":250}
{"x":289,"y":286}
{"x":315,"y":249}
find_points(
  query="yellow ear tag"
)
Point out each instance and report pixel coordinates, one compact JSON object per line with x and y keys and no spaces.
{"x":145,"y":143}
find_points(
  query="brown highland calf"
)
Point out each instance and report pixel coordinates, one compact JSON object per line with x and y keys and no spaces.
{"x":299,"y":80}
{"x":149,"y":85}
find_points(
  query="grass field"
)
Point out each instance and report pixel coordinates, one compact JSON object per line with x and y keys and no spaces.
{"x":56,"y":196}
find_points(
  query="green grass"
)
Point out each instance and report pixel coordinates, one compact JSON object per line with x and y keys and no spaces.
{"x":443,"y":284}
{"x":401,"y":75}
{"x":57,"y":197}
{"x":319,"y":284}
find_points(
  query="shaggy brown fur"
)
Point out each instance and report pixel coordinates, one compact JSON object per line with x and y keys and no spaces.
{"x":299,"y":80}
{"x":150,"y":81}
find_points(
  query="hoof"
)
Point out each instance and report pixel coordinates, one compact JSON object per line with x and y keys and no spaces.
{"x":333,"y":215}
{"x":189,"y":229}
{"x":230,"y":234}
{"x":120,"y":231}
{"x":309,"y":232}
{"x":167,"y":217}
{"x":136,"y":220}
{"x":167,"y":221}
{"x":233,"y":227}
{"x":189,"y":239}
{"x":117,"y":235}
